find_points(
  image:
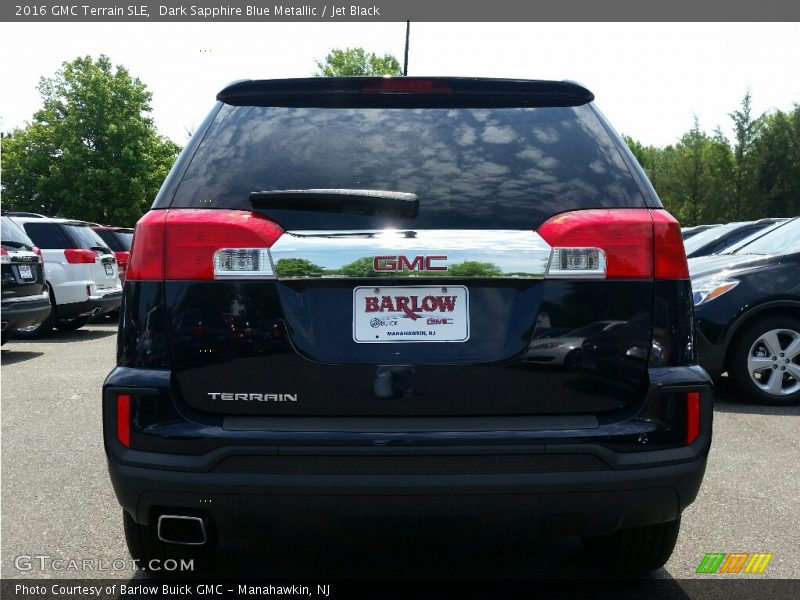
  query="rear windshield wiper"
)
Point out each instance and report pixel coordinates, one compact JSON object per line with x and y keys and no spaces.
{"x":367,"y":202}
{"x":14,"y":244}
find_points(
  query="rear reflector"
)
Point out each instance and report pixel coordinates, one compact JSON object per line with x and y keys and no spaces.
{"x":624,"y":243}
{"x":124,"y":420}
{"x":197,"y":244}
{"x":406,"y":86}
{"x":692,"y":416}
{"x":80,"y":256}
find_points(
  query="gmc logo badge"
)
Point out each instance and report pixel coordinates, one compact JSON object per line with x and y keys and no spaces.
{"x":384,"y":264}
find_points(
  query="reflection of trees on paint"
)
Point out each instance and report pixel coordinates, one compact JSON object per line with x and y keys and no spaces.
{"x":297,"y":267}
{"x":474,"y":268}
{"x":363,"y":267}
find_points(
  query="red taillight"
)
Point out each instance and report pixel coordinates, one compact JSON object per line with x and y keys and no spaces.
{"x":38,"y":253}
{"x":637,"y":243}
{"x":625,"y":235}
{"x":122,"y":263}
{"x":670,"y":253}
{"x":147,"y":248}
{"x":80,"y":256}
{"x":180,"y":244}
{"x":124,"y":420}
{"x":4,"y":256}
{"x":406,"y":86}
{"x":692,"y":416}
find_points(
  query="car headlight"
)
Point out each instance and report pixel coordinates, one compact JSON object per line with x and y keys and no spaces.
{"x":708,"y":288}
{"x":547,"y":346}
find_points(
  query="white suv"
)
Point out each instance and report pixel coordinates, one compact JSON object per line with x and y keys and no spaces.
{"x":80,"y":271}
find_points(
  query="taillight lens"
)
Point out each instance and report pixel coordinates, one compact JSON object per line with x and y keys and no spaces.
{"x":692,"y":416}
{"x":122,"y":258}
{"x":80,"y":256}
{"x":185,"y":244}
{"x":38,"y":253}
{"x":4,"y":256}
{"x":124,"y":419}
{"x":669,"y":251}
{"x":147,"y":247}
{"x":626,"y":243}
{"x":122,"y":263}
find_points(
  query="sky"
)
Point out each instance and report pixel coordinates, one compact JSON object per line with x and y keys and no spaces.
{"x":650,"y":79}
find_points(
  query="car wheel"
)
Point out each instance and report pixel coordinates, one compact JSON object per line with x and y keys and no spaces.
{"x":34,"y":332}
{"x":635,"y":550}
{"x":765,"y":361}
{"x":72,"y":324}
{"x":572,"y":360}
{"x":145,"y":547}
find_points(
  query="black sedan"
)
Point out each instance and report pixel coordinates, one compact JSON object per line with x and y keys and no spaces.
{"x":747,"y":309}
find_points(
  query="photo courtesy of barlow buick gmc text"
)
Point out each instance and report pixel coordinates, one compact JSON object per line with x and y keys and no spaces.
{"x":321,"y":322}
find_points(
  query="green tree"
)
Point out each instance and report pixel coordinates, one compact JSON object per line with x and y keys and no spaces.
{"x":356,"y":62}
{"x":92,"y":151}
{"x":746,"y":129}
{"x":776,"y":166}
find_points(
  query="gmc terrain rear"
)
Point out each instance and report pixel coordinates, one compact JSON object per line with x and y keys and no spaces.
{"x":341,"y":306}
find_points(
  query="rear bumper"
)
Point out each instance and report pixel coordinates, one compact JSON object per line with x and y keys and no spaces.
{"x":580,"y":503}
{"x":106,"y":302}
{"x":24,"y":312}
{"x":298,"y":477}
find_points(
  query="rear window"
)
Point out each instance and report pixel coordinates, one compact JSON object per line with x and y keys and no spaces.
{"x":502,"y":168}
{"x":118,"y":241}
{"x":86,"y":237}
{"x":48,"y":235}
{"x":13,"y":236}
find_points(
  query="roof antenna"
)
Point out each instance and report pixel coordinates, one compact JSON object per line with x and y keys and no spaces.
{"x":405,"y":60}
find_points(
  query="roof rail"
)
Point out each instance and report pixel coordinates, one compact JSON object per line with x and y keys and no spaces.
{"x":15,"y":213}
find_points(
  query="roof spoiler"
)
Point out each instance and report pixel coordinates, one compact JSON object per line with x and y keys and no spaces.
{"x":421,"y":92}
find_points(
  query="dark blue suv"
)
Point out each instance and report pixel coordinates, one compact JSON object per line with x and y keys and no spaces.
{"x":327,"y":314}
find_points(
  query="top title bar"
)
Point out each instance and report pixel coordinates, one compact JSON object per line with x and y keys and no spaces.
{"x":415,"y":10}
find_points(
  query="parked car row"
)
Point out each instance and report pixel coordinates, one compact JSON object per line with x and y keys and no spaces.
{"x":719,"y":238}
{"x":58,"y":273}
{"x":747,"y":313}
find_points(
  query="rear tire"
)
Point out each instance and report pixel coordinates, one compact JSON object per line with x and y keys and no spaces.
{"x":144,"y":547}
{"x":775,"y":381}
{"x":635,"y":550}
{"x":72,"y":324}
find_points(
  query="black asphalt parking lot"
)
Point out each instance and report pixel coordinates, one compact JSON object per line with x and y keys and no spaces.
{"x":57,"y":500}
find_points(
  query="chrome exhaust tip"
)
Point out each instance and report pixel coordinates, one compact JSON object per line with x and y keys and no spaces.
{"x":182,"y":529}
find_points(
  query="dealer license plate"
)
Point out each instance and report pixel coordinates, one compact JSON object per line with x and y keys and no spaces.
{"x":411,"y":314}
